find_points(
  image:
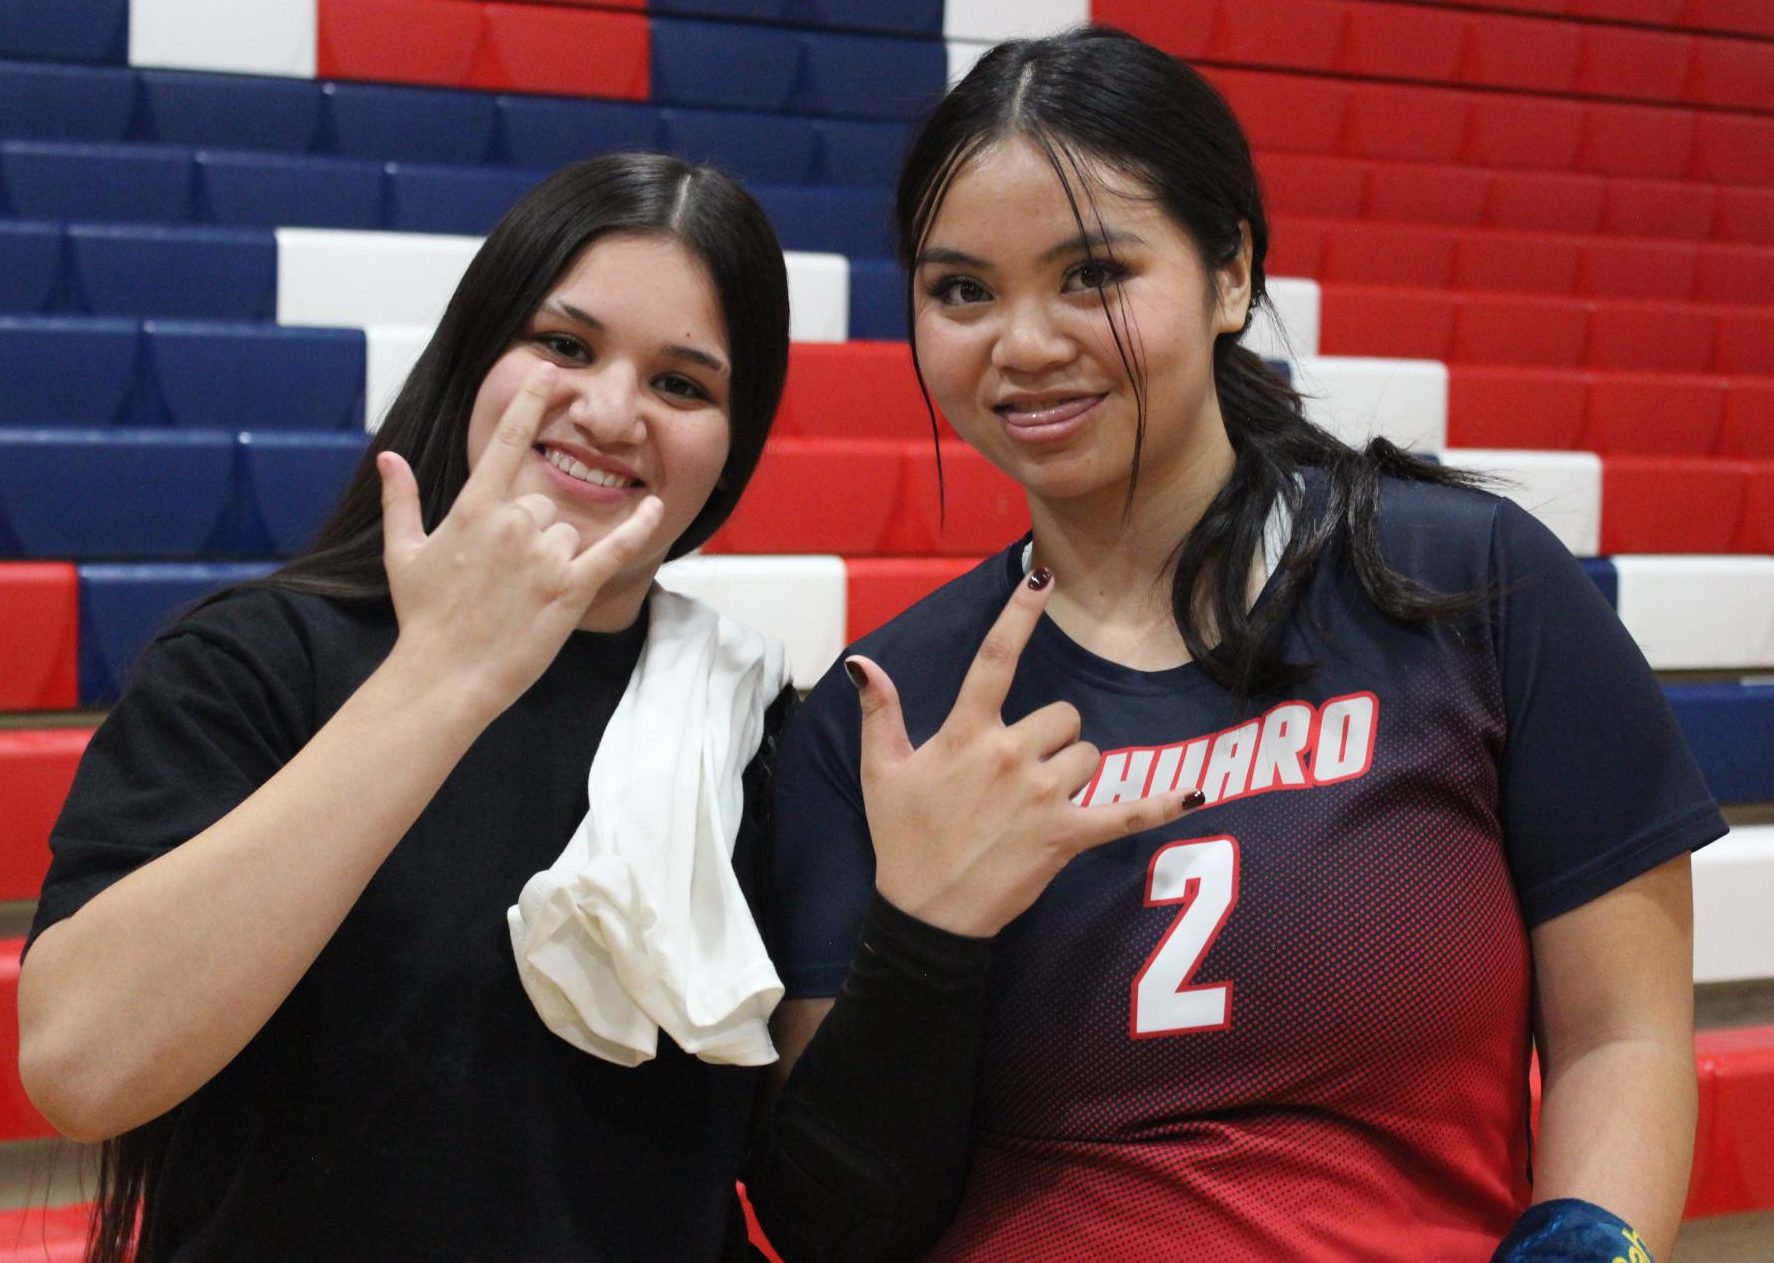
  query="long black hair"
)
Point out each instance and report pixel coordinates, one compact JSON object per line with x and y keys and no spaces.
{"x":512,"y":273}
{"x":1097,"y":96}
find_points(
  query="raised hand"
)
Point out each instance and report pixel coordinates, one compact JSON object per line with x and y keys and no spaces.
{"x":491,"y":594}
{"x":970,"y":827}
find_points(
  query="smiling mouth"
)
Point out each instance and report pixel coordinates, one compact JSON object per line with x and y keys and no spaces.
{"x":581,"y":472}
{"x":1037,"y":414}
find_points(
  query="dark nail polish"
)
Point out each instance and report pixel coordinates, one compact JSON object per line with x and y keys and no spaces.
{"x":1193,"y":799}
{"x":1040,"y":577}
{"x":857,"y":676}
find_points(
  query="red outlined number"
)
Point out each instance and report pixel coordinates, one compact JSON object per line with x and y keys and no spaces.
{"x":1201,"y":875}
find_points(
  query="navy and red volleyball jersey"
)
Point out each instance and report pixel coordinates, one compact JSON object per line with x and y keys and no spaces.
{"x":1295,"y":1023}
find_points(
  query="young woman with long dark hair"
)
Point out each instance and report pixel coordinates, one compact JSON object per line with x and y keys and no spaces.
{"x":281,"y":963}
{"x":1447,"y":814}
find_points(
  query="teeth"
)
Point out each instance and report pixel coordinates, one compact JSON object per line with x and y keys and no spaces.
{"x":584,"y":473}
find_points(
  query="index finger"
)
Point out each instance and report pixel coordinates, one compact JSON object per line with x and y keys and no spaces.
{"x":520,"y":423}
{"x":987,"y":682}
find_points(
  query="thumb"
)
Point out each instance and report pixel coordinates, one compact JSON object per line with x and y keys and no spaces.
{"x":884,"y":739}
{"x":403,"y":527}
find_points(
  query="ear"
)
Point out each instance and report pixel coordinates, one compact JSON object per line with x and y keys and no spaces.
{"x":1232,"y":287}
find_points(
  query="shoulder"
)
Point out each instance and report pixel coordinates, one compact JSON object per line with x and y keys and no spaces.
{"x":270,"y":624}
{"x":1462,"y":539}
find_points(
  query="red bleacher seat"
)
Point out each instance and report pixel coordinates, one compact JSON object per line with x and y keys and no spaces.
{"x":1291,"y":113}
{"x":1561,"y":201}
{"x":1298,"y":34}
{"x":19,"y":1119}
{"x":1313,"y":184}
{"x":1181,"y":30}
{"x":856,"y":390}
{"x":1415,"y":324}
{"x":39,"y":621}
{"x":1734,"y":148}
{"x":1749,"y":419}
{"x":1507,"y":130}
{"x":1745,"y":215}
{"x":1650,"y":414}
{"x":1419,"y":193}
{"x":1645,"y":12}
{"x":1634,"y":63}
{"x":398,"y":41}
{"x":1747,"y":17}
{"x":979,"y":508}
{"x":1746,"y":340}
{"x":39,"y":1234}
{"x":1666,"y":337}
{"x":1734,"y":1163}
{"x":879,"y":588}
{"x":1390,"y":120}
{"x":1296,"y":247}
{"x":1736,"y":274}
{"x":1486,"y":259}
{"x":1387,"y":254}
{"x":1391,"y":41}
{"x":1659,"y":208}
{"x":1637,"y":140}
{"x":1733,"y":74}
{"x":1518,"y":329}
{"x":36,"y":767}
{"x":817,"y":496}
{"x":1629,"y":267}
{"x":1515,"y":407}
{"x":1666,"y":504}
{"x":1522,"y":53}
{"x":571,"y":52}
{"x":1757,"y":534}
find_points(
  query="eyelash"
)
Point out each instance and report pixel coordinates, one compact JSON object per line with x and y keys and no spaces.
{"x":946,"y":290}
{"x":567,"y":347}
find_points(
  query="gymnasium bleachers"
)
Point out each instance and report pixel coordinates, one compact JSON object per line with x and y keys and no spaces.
{"x":1533,"y":237}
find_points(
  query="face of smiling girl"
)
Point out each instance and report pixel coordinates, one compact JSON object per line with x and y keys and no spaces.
{"x":1019,"y":355}
{"x":640,"y":405}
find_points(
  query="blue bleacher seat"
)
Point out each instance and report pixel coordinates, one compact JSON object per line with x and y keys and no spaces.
{"x":466,"y":200}
{"x":1730,"y":728}
{"x":401,"y":124}
{"x":877,"y":301}
{"x":79,"y":494}
{"x":905,"y":17}
{"x":853,"y":222}
{"x":291,"y":482}
{"x":868,"y":76}
{"x":725,"y":65}
{"x":67,"y":30}
{"x":46,"y":102}
{"x":30,"y":266}
{"x":230,"y":111}
{"x":146,"y":271}
{"x":860,"y":153}
{"x":549,"y":132}
{"x":1605,"y":577}
{"x":67,"y":371}
{"x":257,"y":376}
{"x":760,"y":148}
{"x":285,"y":190}
{"x":124,"y":183}
{"x":124,"y":605}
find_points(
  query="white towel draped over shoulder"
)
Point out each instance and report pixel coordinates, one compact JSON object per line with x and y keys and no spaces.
{"x":641,"y":924}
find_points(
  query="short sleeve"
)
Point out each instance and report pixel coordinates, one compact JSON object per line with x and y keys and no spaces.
{"x":208,"y":718}
{"x":1598,"y":784}
{"x":825,"y":863}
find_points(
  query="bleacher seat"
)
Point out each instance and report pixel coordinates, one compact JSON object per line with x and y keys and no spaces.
{"x":30,"y":266}
{"x":36,"y":768}
{"x":114,"y":493}
{"x":123,"y":606}
{"x":548,"y":132}
{"x":256,"y":376}
{"x":541,"y":48}
{"x":880,"y":587}
{"x":825,"y":496}
{"x":273,"y":190}
{"x":171,"y":273}
{"x":757,"y":148}
{"x":397,"y":41}
{"x":910,"y":17}
{"x":867,"y":76}
{"x":798,"y":600}
{"x":456,"y":200}
{"x":63,"y":370}
{"x":39,"y":621}
{"x":728,"y":66}
{"x":231,"y":111}
{"x":44,"y":1234}
{"x":1730,"y":728}
{"x":70,"y":30}
{"x":877,"y":301}
{"x":261,"y":37}
{"x":859,"y":152}
{"x":291,"y":482}
{"x":48,"y":102}
{"x":406,"y":124}
{"x":1698,"y":613}
{"x":1666,"y":504}
{"x":122,"y":183}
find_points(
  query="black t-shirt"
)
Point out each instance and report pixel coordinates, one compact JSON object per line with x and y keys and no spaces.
{"x":1294,"y":1023}
{"x":405,"y":1102}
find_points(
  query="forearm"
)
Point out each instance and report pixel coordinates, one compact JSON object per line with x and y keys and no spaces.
{"x":1617,"y":1129}
{"x":864,"y":1155}
{"x":135,"y":1001}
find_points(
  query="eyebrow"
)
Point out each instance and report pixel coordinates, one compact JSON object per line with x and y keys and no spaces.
{"x":672,"y":350}
{"x":1081,"y":244}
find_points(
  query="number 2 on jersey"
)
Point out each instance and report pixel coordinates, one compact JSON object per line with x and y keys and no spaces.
{"x":1201,"y":874}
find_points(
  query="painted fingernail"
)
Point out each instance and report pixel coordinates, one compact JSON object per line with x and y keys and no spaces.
{"x":857,"y":676}
{"x":1040,"y":577}
{"x":1193,"y":799}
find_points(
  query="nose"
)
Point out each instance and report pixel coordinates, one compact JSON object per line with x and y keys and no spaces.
{"x":1032,"y":339}
{"x":606,"y":403}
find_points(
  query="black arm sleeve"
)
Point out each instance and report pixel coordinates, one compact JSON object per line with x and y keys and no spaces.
{"x":864,"y":1155}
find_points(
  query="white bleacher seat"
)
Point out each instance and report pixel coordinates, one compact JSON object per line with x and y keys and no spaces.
{"x":248,"y":37}
{"x":1289,"y":328}
{"x":1733,"y":890}
{"x":818,"y":297}
{"x":342,"y":278}
{"x":1562,"y":489}
{"x":1358,"y":398}
{"x":801,"y":601}
{"x":988,"y":21}
{"x":389,"y":353}
{"x":1699,"y":613}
